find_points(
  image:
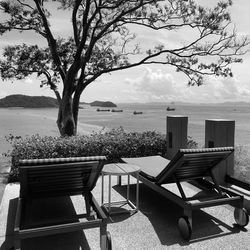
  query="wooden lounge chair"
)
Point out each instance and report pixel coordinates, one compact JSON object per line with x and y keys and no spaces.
{"x":191,"y":165}
{"x":59,"y":178}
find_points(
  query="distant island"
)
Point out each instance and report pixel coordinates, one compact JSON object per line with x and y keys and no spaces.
{"x":103,"y":104}
{"x":25,"y":101}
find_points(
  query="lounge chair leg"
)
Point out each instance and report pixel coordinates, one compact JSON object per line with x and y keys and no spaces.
{"x":119,"y":180}
{"x":105,"y":238}
{"x":17,"y":244}
{"x":88,"y":205}
{"x":185,"y":224}
{"x":188,"y":214}
{"x":241,"y":217}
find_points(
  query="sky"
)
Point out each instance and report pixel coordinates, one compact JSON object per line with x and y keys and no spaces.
{"x":152,"y":83}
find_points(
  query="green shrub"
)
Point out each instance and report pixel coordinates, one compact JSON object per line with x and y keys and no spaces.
{"x":242,"y":162}
{"x":114,"y":144}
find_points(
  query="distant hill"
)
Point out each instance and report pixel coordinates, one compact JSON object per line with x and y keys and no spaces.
{"x":28,"y":101}
{"x":103,"y":104}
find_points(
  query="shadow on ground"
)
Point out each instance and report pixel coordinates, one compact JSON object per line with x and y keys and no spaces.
{"x":42,"y":212}
{"x":164,"y":214}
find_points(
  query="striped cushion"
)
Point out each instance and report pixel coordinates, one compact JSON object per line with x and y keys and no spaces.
{"x":26,"y":162}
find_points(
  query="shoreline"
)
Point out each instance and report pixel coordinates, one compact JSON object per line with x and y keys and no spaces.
{"x":42,"y":121}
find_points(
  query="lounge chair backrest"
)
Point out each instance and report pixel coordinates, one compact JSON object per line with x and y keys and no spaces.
{"x":190,"y":164}
{"x":59,"y":176}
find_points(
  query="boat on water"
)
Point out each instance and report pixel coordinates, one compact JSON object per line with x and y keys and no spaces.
{"x":116,"y":110}
{"x":103,"y":110}
{"x":170,"y":109}
{"x":137,"y":112}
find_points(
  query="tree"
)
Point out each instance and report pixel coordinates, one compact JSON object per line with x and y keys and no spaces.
{"x":102,"y":42}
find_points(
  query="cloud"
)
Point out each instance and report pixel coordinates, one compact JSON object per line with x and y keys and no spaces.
{"x":3,"y":94}
{"x":158,"y":86}
{"x":28,"y":81}
{"x":153,"y":86}
{"x":222,"y":89}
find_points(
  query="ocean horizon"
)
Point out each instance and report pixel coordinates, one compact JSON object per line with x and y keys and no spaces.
{"x":27,"y":121}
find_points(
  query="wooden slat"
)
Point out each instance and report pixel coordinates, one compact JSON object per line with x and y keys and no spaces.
{"x":61,"y":180}
{"x":57,"y":185}
{"x":57,"y":193}
{"x":59,"y":175}
{"x":179,"y":173}
{"x":206,"y":154}
{"x":57,"y":188}
{"x":59,"y":170}
{"x":77,"y":177}
{"x":201,"y":161}
{"x":61,"y":165}
{"x":194,"y":166}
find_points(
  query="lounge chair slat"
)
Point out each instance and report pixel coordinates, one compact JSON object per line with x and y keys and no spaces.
{"x":34,"y":180}
{"x":205,"y":154}
{"x":55,"y":177}
{"x":40,"y":189}
{"x":55,"y":173}
{"x":57,"y":183}
{"x":59,"y":171}
{"x":200,"y":161}
{"x":62,"y":166}
{"x":67,"y":192}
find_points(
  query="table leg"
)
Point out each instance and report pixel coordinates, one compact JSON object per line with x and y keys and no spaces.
{"x":102,"y":189}
{"x":137,"y":191}
{"x":109,"y":191}
{"x":128,"y":187}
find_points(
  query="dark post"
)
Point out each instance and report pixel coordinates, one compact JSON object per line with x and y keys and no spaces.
{"x":220,"y":133}
{"x":177,"y":127}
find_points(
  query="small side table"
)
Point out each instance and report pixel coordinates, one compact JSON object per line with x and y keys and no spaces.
{"x":119,"y":169}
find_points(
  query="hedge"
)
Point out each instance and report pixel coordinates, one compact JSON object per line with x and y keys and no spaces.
{"x":114,"y":144}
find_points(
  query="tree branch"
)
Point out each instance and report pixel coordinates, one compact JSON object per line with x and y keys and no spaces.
{"x":51,"y":41}
{"x":74,"y":21}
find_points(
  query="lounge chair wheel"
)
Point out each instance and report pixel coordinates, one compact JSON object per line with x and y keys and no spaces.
{"x":109,"y":242}
{"x":185,"y":228}
{"x":241,"y":217}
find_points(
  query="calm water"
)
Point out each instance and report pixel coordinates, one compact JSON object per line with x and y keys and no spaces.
{"x":154,"y":118}
{"x":42,"y":121}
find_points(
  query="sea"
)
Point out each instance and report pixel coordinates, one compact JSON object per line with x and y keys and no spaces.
{"x":25,"y":122}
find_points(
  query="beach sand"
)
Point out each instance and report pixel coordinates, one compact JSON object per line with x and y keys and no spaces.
{"x":23,"y":122}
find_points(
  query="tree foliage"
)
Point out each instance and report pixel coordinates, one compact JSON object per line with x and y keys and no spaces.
{"x":103,"y":41}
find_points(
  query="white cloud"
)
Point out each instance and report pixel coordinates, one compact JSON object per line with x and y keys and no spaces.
{"x":156,"y":86}
{"x":3,"y":94}
{"x":28,"y":81}
{"x":222,"y":89}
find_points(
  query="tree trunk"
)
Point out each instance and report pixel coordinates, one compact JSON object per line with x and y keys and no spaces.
{"x":65,"y":120}
{"x":75,"y":106}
